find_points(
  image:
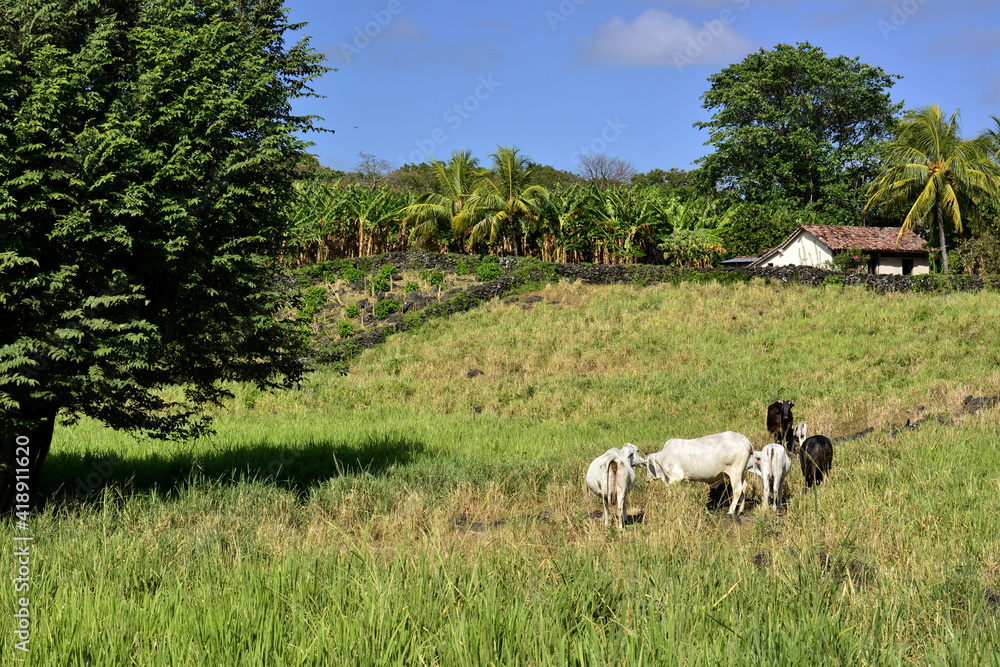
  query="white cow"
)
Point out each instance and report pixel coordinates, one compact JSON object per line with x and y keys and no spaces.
{"x":799,"y":434}
{"x":611,"y":476}
{"x":772,"y":464}
{"x":708,"y":459}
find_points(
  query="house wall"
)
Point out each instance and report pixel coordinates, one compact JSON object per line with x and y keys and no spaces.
{"x":805,"y":250}
{"x":893,"y":266}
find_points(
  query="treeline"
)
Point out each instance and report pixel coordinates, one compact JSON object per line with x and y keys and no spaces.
{"x":505,"y":210}
{"x":798,"y":138}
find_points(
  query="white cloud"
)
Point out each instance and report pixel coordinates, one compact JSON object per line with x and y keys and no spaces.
{"x":660,"y":39}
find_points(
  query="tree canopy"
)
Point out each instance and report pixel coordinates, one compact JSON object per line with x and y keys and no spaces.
{"x":793,"y":127}
{"x":146,"y":158}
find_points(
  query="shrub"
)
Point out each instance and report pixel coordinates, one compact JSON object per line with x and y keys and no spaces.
{"x":488,"y":269}
{"x":411,"y":287}
{"x":351,"y":274}
{"x":412,"y":320}
{"x":535,"y":271}
{"x":345,"y":329}
{"x":382,"y":281}
{"x":353,"y":311}
{"x":834,"y":280}
{"x":462,"y":268}
{"x":979,"y":255}
{"x":436,"y":278}
{"x":853,"y":260}
{"x":317,"y":270}
{"x":386,"y":307}
{"x":312,"y":299}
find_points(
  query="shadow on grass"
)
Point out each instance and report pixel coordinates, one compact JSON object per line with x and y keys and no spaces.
{"x":74,"y":478}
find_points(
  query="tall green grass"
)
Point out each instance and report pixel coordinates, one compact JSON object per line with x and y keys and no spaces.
{"x":377,"y":519}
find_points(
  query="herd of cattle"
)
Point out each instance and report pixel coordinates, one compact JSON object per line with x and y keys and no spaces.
{"x":713,"y":459}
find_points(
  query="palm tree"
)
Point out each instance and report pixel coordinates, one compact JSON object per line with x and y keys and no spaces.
{"x":930,"y":171}
{"x":502,"y":203}
{"x":434,"y":213}
{"x":994,"y":138}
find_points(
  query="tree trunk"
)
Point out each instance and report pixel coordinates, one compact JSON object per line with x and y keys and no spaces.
{"x":23,"y":450}
{"x":944,"y":250}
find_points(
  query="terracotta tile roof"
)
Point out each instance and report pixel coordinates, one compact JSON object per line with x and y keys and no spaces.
{"x":866,"y":238}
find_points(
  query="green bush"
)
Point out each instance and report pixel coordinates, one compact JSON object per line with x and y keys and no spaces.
{"x":411,"y":287}
{"x":535,"y":272}
{"x":317,"y":270}
{"x":345,"y":329}
{"x":978,"y":255}
{"x":462,"y":268}
{"x":312,"y":299}
{"x":436,"y":278}
{"x":351,"y":274}
{"x":353,"y":311}
{"x":834,"y":280}
{"x":853,"y":260}
{"x":488,"y":269}
{"x":412,"y":320}
{"x":382,"y":281}
{"x":386,"y":307}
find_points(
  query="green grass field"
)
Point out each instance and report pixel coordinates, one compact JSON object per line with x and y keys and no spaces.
{"x":409,"y":514}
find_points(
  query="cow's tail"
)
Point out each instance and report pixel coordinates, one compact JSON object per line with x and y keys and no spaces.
{"x":613,"y":471}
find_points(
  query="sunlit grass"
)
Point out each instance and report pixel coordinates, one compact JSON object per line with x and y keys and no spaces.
{"x":377,"y":518}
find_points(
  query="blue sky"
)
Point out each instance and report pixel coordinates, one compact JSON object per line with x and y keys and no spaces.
{"x":556,"y":78}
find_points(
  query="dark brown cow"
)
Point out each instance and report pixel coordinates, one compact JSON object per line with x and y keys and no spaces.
{"x":816,"y":459}
{"x":779,"y":423}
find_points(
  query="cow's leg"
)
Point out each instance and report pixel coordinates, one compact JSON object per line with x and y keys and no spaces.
{"x":736,"y":479}
{"x":621,"y":511}
{"x":607,"y":510}
{"x":767,"y":491}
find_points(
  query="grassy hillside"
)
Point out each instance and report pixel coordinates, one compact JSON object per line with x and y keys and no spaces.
{"x":428,"y":507}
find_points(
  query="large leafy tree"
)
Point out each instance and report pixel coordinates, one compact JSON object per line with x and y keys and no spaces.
{"x":549,"y":177}
{"x":794,"y":127}
{"x":934,"y":177}
{"x":146,"y":157}
{"x":678,"y":182}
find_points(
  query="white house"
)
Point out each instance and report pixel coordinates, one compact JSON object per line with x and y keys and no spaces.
{"x":815,"y":245}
